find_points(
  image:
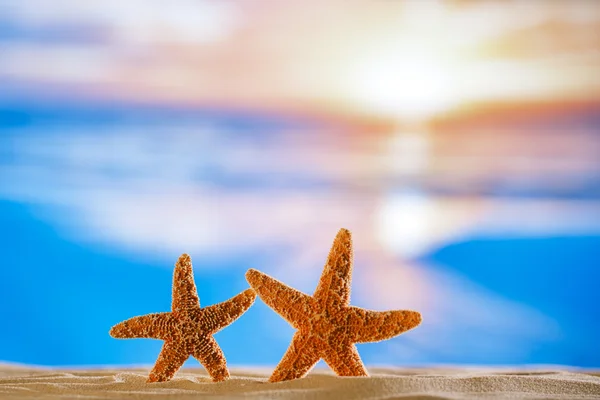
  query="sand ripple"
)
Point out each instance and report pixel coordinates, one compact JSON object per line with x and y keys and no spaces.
{"x":385,"y":383}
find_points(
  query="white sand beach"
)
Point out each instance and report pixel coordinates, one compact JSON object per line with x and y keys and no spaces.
{"x":23,"y":382}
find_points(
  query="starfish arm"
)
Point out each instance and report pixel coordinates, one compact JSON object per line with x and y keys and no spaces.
{"x":210,"y":355}
{"x":343,"y":358}
{"x":374,"y":326}
{"x":218,"y":316}
{"x":298,"y":360}
{"x":291,"y":304}
{"x":185,"y":295}
{"x":333,"y":290}
{"x":154,"y":326}
{"x":170,"y":359}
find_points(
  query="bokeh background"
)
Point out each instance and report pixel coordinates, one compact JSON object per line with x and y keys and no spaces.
{"x":458,"y":140}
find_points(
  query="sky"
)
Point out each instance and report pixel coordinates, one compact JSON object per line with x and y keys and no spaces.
{"x":458,"y":141}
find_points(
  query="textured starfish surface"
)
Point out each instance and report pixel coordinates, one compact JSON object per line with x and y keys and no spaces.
{"x":327,"y":326}
{"x":187,"y":330}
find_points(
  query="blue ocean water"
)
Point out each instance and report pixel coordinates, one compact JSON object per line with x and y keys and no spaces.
{"x":59,"y":296}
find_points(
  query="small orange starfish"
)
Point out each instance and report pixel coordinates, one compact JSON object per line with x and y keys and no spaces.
{"x":187,"y":329}
{"x":327,"y":325}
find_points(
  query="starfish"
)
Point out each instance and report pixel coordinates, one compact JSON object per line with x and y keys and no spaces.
{"x":188,"y":328}
{"x":327,"y":326}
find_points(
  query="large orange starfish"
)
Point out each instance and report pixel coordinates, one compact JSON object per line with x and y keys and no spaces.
{"x":327,"y":325}
{"x":187,"y":329}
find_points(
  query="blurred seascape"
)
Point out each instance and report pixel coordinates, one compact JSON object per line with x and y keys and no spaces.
{"x":458,"y":140}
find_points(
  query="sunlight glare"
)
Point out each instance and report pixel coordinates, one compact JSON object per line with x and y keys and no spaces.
{"x":411,"y":86}
{"x":404,"y":223}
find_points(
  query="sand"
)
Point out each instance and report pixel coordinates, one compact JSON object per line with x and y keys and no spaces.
{"x":22,"y":382}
